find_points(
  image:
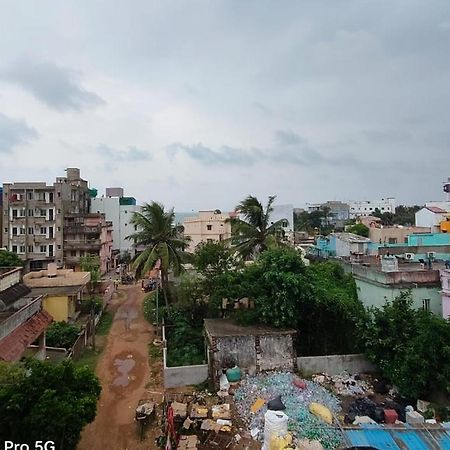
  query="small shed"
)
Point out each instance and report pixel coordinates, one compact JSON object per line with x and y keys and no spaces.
{"x":254,"y":348}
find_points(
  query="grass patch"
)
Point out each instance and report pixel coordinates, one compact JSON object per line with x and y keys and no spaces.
{"x":105,"y":323}
{"x":89,"y":358}
{"x":154,"y":351}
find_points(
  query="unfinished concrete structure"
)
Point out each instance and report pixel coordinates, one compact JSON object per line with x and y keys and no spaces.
{"x":252,"y":348}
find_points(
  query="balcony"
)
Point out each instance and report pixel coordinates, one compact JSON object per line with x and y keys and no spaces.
{"x":94,"y":244}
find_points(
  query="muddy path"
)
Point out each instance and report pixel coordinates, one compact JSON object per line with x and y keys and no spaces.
{"x":125,"y":374}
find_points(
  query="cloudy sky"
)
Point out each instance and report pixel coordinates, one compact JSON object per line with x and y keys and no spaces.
{"x":198,"y":103}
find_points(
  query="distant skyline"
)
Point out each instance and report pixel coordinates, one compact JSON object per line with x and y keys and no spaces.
{"x":197,"y":104}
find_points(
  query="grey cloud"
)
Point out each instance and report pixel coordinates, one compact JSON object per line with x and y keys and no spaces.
{"x":57,"y":87}
{"x":132,"y":154}
{"x":208,"y":156}
{"x":14,"y":132}
{"x":284,"y":137}
{"x":387,"y":136}
{"x":294,"y":150}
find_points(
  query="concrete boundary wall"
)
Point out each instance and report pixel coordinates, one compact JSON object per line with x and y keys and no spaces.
{"x":334,"y":364}
{"x":182,"y":375}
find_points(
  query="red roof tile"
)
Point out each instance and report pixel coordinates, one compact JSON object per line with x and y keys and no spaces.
{"x":14,"y":345}
{"x":435,"y":209}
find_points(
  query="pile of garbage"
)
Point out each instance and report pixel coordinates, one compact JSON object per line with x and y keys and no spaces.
{"x":306,"y":404}
{"x":344,"y":384}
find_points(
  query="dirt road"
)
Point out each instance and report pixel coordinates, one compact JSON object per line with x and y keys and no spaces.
{"x":124,"y":374}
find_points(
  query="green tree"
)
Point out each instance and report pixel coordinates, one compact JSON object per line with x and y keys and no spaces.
{"x":162,"y":239}
{"x":359,"y":228}
{"x":61,"y":334}
{"x":409,"y":346}
{"x":48,"y":402}
{"x":213,"y":258}
{"x":320,"y":301}
{"x":254,"y":233}
{"x":91,"y":263}
{"x":9,"y":259}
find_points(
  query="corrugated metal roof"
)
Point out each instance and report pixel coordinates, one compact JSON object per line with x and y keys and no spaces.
{"x":14,"y":345}
{"x":397,"y":438}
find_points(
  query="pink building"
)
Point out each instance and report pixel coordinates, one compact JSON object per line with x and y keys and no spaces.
{"x":445,"y":281}
{"x":88,"y":234}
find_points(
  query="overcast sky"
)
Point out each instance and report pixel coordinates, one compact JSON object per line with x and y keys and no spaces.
{"x":199,"y":103}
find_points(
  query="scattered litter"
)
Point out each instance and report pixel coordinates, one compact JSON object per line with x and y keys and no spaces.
{"x":321,"y":411}
{"x":301,"y":422}
{"x":187,"y":423}
{"x":414,"y":418}
{"x":259,"y":403}
{"x":254,"y":432}
{"x":363,"y":420}
{"x":276,"y":404}
{"x":179,"y":409}
{"x":306,"y":444}
{"x":345,"y":384}
{"x":198,"y":411}
{"x":188,"y":442}
{"x":221,"y":411}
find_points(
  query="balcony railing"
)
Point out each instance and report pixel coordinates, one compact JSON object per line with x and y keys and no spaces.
{"x":86,"y":245}
{"x":19,"y":317}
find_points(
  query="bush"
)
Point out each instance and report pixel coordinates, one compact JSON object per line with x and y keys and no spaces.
{"x":409,"y":346}
{"x":89,"y":303}
{"x":61,"y":334}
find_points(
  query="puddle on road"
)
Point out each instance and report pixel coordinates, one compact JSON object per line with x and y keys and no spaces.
{"x":124,"y":366}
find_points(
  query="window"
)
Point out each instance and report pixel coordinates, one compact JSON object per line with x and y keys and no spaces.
{"x":43,"y":230}
{"x":43,"y":248}
{"x":14,"y":231}
{"x":43,"y":212}
{"x":30,"y":213}
{"x":59,"y":247}
{"x":30,"y":230}
{"x":426,"y":304}
{"x":73,"y":253}
{"x":59,"y":194}
{"x":59,"y":228}
{"x":14,"y":212}
{"x":30,"y":249}
{"x":50,"y":197}
{"x":392,"y":240}
{"x":209,"y":227}
{"x":50,"y":250}
{"x":22,"y":231}
{"x":30,"y":196}
{"x":6,"y":229}
{"x":14,"y":248}
{"x":59,"y":211}
{"x":22,"y":249}
{"x":209,"y":241}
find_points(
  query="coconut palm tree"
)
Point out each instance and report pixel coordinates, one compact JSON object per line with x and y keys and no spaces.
{"x":254,"y":233}
{"x":162,"y":239}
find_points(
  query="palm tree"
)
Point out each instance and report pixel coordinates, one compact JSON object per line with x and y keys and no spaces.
{"x":162,"y":239}
{"x":254,"y":233}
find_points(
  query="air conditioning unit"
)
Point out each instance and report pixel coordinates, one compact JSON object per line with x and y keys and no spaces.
{"x":409,"y":256}
{"x":431,"y":255}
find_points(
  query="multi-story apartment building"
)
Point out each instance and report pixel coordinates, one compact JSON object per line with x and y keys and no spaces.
{"x":208,"y":226}
{"x":362,"y":208}
{"x":119,"y":210}
{"x":87,"y":234}
{"x":33,"y":217}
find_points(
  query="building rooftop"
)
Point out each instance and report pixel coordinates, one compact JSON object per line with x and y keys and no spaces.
{"x":350,"y":237}
{"x":57,"y":278}
{"x":9,"y":296}
{"x":436,"y":210}
{"x":56,"y":290}
{"x":227,"y":327}
{"x":15,"y":343}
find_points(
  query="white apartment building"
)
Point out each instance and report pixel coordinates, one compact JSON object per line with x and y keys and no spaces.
{"x":363,"y":208}
{"x":119,"y":210}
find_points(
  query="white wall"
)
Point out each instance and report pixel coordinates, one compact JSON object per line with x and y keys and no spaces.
{"x":427,"y":218}
{"x":283,"y":212}
{"x":367,"y":207}
{"x":120,"y":216}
